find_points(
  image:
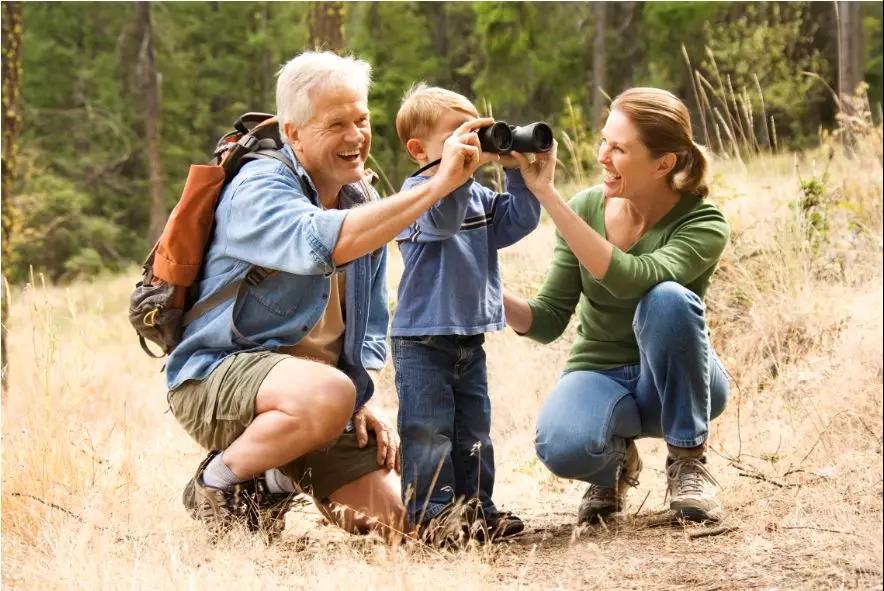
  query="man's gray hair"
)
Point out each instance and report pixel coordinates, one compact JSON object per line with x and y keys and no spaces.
{"x":312,"y":71}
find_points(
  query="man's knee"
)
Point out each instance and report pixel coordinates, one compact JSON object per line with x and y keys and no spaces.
{"x":325,"y":413}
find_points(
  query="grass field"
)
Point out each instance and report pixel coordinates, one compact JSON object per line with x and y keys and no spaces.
{"x":93,"y":465}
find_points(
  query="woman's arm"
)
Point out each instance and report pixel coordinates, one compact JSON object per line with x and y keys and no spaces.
{"x":517,"y":311}
{"x":588,"y":246}
{"x":593,"y":251}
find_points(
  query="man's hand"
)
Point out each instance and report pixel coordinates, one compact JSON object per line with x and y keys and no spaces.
{"x":388,"y":455}
{"x":539,"y":173}
{"x":462,"y":155}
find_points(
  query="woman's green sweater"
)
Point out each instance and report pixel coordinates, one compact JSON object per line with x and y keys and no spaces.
{"x":684,"y":247}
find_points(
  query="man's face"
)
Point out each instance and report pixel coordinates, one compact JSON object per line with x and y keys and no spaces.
{"x":334,"y":144}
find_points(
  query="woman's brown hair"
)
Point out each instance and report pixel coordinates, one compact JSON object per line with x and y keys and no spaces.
{"x":664,"y":125}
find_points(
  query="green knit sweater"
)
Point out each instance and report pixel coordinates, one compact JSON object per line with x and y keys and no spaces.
{"x":684,"y":247}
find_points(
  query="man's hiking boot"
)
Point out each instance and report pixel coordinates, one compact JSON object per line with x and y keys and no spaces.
{"x":602,"y":501}
{"x":690,"y":486}
{"x":248,"y":503}
{"x":271,"y":507}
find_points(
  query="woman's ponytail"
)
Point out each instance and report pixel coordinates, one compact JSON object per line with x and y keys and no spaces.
{"x":692,"y":169}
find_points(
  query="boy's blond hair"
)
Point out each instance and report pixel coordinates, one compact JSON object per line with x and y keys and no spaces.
{"x":422,"y":106}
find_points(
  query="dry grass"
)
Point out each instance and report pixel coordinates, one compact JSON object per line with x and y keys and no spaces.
{"x":93,"y":466}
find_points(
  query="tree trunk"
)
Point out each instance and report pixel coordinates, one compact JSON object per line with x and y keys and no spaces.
{"x":326,"y":24}
{"x":150,"y":95}
{"x":599,"y":64}
{"x":12,"y":28}
{"x":850,"y":36}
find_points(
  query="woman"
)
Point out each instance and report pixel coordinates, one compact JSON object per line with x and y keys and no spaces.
{"x":640,"y":249}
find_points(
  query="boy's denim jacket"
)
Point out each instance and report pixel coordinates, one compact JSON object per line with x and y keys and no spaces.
{"x":264,"y":218}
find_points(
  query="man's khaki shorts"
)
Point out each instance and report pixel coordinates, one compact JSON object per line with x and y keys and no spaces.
{"x":216,"y":410}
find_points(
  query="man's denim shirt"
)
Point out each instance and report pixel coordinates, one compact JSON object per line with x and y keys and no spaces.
{"x":264,"y":218}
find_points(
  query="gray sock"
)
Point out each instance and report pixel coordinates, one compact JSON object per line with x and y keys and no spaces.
{"x":277,"y":482}
{"x":218,"y":475}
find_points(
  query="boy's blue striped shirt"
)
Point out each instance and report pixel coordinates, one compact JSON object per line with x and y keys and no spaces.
{"x":451,"y":282}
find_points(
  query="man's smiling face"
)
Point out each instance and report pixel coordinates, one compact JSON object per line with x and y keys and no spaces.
{"x":334,"y":144}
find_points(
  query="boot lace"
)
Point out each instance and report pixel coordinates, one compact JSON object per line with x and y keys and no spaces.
{"x":688,"y":477}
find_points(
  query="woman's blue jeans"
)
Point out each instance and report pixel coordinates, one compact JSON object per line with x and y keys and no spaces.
{"x":677,"y":387}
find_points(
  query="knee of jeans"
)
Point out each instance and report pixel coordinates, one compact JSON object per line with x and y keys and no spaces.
{"x":567,"y":460}
{"x":667,"y":302}
{"x":718,"y":400}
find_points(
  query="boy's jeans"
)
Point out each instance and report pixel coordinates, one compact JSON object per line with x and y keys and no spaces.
{"x":444,"y":422}
{"x":673,"y":392}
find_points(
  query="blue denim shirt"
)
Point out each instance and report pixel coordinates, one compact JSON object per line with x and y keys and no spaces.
{"x":264,"y":218}
{"x":451,"y":281}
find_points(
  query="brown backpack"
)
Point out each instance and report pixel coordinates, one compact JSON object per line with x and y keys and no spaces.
{"x":161,"y":305}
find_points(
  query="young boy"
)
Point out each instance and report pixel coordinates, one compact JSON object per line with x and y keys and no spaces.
{"x":449,"y":296}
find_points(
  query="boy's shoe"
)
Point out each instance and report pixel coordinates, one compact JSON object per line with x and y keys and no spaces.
{"x":499,"y":526}
{"x":690,"y":486}
{"x":603,"y":501}
{"x":450,"y":528}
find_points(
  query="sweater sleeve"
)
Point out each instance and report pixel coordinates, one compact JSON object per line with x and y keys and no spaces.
{"x":694,"y":247}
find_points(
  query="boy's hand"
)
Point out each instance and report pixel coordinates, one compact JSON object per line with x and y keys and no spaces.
{"x":462,"y":155}
{"x":539,"y":173}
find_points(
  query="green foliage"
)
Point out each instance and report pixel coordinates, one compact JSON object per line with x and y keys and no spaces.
{"x":58,"y":235}
{"x":773,"y":41}
{"x":873,"y":65}
{"x":666,"y":26}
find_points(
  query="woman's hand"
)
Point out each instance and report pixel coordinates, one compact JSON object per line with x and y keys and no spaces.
{"x":539,"y":173}
{"x":364,"y":420}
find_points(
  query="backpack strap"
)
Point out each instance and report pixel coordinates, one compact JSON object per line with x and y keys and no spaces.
{"x":256,"y":274}
{"x":276,"y":155}
{"x":254,"y":277}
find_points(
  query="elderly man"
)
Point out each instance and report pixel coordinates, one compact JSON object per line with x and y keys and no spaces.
{"x":271,"y":379}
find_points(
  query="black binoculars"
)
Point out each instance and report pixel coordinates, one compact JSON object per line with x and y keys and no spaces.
{"x":501,"y":138}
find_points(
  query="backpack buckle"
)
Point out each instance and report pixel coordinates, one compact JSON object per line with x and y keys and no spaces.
{"x":248,"y":142}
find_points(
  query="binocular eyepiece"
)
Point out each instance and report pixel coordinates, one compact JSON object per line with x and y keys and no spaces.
{"x":502,"y":138}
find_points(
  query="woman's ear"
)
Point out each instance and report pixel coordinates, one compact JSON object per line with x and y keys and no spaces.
{"x":665,"y":164}
{"x":416,"y":150}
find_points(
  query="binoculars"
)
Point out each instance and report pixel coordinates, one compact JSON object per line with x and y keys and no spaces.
{"x":501,"y":138}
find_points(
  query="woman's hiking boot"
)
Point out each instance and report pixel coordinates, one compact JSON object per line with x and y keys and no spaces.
{"x":602,"y":501}
{"x":690,"y":486}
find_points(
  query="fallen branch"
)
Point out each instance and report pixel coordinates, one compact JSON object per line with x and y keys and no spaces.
{"x":51,"y":505}
{"x":711,"y":531}
{"x":832,"y":531}
{"x":764,"y":478}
